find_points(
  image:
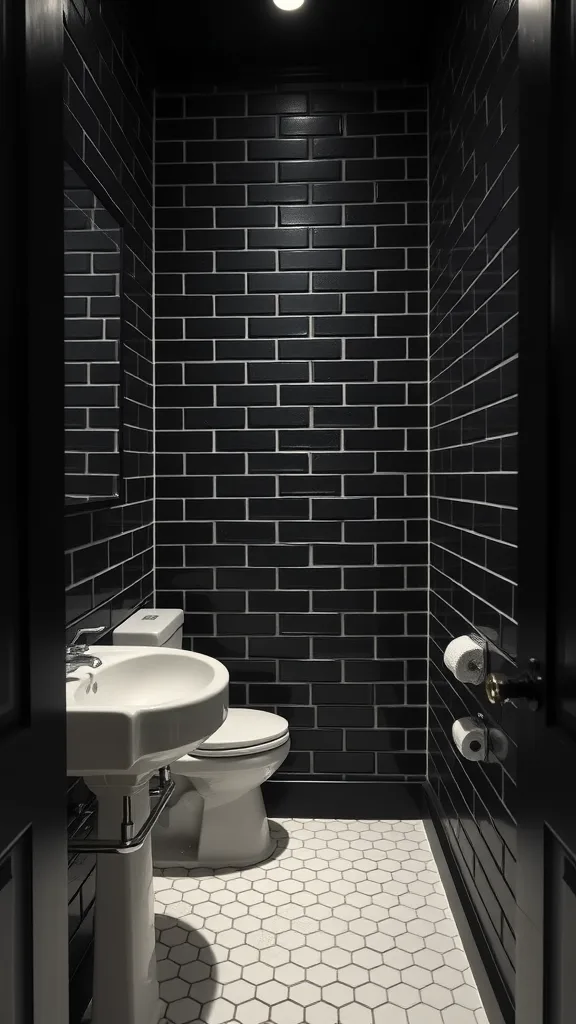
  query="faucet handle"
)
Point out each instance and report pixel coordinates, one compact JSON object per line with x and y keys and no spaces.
{"x":82,"y":632}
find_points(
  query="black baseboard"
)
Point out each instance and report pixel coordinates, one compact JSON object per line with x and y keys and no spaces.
{"x":494,"y":994}
{"x":343,"y":799}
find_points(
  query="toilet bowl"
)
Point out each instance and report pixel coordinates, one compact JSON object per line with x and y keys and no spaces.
{"x":216,"y":816}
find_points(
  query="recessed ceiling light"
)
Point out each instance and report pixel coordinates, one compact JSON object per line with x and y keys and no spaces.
{"x":289,"y":5}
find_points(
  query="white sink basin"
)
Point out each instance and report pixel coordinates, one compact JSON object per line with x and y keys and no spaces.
{"x":143,"y":708}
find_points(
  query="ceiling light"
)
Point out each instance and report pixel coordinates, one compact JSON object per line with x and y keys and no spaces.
{"x":289,"y":5}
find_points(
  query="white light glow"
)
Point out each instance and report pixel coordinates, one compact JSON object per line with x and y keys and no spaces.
{"x":289,"y":5}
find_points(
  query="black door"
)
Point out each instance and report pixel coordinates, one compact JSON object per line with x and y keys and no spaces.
{"x":546,"y":923}
{"x":33,"y":913}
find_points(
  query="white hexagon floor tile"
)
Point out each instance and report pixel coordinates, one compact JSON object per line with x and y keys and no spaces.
{"x":346,"y":923}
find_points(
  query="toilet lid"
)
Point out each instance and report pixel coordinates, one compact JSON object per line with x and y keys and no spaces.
{"x":245,"y":728}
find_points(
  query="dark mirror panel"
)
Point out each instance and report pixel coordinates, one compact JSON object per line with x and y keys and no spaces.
{"x":93,"y":308}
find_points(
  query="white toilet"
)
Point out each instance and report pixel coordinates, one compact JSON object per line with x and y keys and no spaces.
{"x":216,"y":816}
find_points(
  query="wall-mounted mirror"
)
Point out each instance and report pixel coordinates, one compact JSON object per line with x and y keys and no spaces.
{"x":93,"y":338}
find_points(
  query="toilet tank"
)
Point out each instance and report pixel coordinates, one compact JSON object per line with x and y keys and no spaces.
{"x":151,"y":627}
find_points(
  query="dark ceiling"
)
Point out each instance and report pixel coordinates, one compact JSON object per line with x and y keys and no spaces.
{"x":179,"y":41}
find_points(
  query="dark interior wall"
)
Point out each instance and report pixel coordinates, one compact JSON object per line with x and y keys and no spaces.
{"x":92,"y":308}
{"x":109,"y":561}
{"x":473,"y":346}
{"x":108,"y":125}
{"x":291,"y":284}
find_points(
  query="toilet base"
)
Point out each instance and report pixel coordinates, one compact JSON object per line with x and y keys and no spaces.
{"x":232,"y":835}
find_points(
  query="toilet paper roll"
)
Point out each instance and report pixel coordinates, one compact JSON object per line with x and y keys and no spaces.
{"x":469,"y":738}
{"x":464,"y":656}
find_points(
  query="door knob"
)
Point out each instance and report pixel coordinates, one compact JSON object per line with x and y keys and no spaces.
{"x":500,"y":689}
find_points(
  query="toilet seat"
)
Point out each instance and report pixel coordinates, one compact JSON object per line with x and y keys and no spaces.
{"x":245,"y":732}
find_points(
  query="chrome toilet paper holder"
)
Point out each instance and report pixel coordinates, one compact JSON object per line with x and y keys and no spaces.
{"x":495,"y":741}
{"x":472,"y":749}
{"x":466,"y":658}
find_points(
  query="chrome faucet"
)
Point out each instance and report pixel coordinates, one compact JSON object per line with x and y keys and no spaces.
{"x":76,"y":654}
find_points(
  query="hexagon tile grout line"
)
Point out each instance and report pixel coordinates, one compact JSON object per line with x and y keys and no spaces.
{"x":347,"y":923}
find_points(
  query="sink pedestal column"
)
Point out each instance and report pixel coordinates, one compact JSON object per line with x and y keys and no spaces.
{"x":125,"y":983}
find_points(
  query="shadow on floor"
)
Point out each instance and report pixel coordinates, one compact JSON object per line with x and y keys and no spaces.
{"x":185,"y":957}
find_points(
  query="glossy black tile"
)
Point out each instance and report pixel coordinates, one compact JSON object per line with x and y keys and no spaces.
{"x":376,"y":259}
{"x":311,"y":125}
{"x":472,"y":404}
{"x":277,"y":194}
{"x":324,"y":148}
{"x":327,"y":259}
{"x":319,"y":170}
{"x":245,"y":261}
{"x":278,"y":149}
{"x":310,"y":215}
{"x":260,"y":437}
{"x":245,"y":127}
{"x":277,"y":238}
{"x":310,"y":304}
{"x":310,"y":349}
{"x":93,"y":110}
{"x":278,"y":103}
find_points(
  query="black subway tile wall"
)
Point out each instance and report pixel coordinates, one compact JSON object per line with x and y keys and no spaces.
{"x":291,"y":409}
{"x":92,"y":297}
{"x":473,"y":347}
{"x":108,"y":125}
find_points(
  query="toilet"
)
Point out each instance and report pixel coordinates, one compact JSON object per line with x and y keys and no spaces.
{"x":216,"y":815}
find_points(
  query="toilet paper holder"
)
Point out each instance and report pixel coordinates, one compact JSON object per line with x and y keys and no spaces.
{"x":466,"y":657}
{"x":495,"y":741}
{"x":470,"y":737}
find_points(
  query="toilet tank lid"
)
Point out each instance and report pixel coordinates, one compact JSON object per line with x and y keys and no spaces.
{"x":246,"y":728}
{"x":150,"y":627}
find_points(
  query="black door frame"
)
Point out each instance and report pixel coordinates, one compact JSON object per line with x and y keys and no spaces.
{"x":33,"y":739}
{"x":547,"y":606}
{"x":534,"y":36}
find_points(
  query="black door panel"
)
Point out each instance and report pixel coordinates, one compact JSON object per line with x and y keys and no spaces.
{"x":546,"y":918}
{"x":33,"y":919}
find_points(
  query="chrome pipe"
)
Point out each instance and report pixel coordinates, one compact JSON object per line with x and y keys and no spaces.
{"x":164,"y":776}
{"x":127,"y":826}
{"x":129,"y":844}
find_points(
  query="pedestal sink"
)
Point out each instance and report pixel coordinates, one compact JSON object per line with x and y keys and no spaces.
{"x":140,"y":710}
